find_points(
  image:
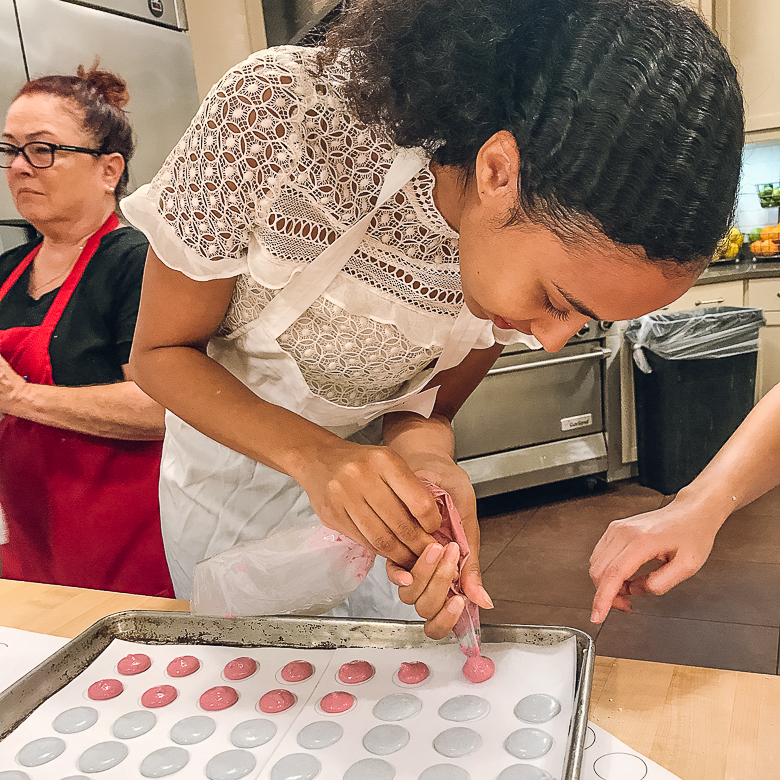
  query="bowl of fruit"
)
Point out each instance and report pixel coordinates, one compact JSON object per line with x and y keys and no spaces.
{"x":769,"y":194}
{"x":765,"y":242}
{"x":729,"y":246}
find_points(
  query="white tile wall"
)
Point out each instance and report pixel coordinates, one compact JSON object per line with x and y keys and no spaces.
{"x":760,"y":165}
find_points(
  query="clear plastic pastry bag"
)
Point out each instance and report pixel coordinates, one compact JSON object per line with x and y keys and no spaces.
{"x":305,"y":570}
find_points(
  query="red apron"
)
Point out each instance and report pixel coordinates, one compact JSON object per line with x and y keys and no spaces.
{"x":81,"y":510}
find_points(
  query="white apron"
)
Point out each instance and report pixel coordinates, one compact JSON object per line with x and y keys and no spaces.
{"x":212,"y":497}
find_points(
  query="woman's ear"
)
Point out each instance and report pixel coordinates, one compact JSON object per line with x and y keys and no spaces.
{"x":113,"y":167}
{"x":497,"y":171}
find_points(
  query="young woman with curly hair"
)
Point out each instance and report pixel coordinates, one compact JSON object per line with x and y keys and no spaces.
{"x":346,"y":237}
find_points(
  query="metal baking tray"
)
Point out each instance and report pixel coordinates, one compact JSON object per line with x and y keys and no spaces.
{"x":171,"y":628}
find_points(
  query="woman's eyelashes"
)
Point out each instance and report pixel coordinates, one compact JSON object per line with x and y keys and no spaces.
{"x":553,"y":311}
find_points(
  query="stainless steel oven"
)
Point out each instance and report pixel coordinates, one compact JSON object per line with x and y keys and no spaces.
{"x":538,"y":417}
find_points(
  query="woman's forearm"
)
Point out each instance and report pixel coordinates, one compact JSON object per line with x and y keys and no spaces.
{"x":207,"y":396}
{"x":116,"y":411}
{"x":412,"y":435}
{"x":746,"y":466}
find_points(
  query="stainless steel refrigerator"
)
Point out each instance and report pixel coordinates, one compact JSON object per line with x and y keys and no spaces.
{"x":144,"y":41}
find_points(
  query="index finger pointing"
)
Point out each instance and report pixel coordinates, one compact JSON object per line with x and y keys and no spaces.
{"x":610,"y":579}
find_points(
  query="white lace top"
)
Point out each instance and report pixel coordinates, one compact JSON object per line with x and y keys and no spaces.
{"x":270,"y":172}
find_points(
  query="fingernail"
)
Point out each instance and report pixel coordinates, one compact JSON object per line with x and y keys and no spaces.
{"x":404,"y":578}
{"x":488,"y":601}
{"x":453,"y":552}
{"x":456,"y":605}
{"x":434,"y":551}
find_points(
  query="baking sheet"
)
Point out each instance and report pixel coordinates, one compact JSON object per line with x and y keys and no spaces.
{"x":21,"y":651}
{"x":85,"y":655}
{"x":604,"y":757}
{"x":520,"y":670}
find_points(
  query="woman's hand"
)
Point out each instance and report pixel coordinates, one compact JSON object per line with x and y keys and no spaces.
{"x":369,"y":494}
{"x":427,"y":583}
{"x":12,"y":388}
{"x":679,"y":535}
{"x":120,"y":410}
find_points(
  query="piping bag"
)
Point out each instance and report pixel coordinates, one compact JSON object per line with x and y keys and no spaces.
{"x":477,"y":668}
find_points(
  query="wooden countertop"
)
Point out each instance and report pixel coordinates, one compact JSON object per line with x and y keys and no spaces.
{"x":701,"y":724}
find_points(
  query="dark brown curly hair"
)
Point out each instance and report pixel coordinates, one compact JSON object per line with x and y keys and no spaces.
{"x":627,"y":114}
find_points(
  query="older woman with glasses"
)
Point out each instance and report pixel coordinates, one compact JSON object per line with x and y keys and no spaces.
{"x":80,"y":443}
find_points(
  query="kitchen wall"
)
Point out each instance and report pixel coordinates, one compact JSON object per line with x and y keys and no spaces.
{"x":222,"y":35}
{"x":760,"y":165}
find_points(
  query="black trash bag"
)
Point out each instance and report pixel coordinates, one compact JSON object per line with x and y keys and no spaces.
{"x":694,"y":383}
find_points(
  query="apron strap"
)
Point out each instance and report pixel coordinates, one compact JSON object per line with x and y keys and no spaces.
{"x":74,"y":277}
{"x":310,"y":283}
{"x":19,"y":270}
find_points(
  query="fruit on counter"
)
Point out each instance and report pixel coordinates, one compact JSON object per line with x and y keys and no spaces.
{"x":770,"y":232}
{"x":765,"y":248}
{"x":765,"y":241}
{"x":728,"y":246}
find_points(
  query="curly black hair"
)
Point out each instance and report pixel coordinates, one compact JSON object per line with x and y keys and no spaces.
{"x":627,"y":114}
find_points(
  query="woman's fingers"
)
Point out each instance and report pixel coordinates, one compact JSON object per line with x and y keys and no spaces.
{"x":418,"y":502}
{"x":429,"y":591}
{"x":471,"y":573}
{"x":444,"y":621}
{"x":611,"y":580}
{"x":432,"y":577}
{"x":423,"y":572}
{"x":406,"y":506}
{"x":371,"y":491}
{"x":643,"y":586}
{"x":397,"y":574}
{"x":381,"y":538}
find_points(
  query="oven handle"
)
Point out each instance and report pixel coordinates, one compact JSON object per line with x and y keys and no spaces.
{"x":598,"y":353}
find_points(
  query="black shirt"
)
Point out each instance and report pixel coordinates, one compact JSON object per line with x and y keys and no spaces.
{"x":92,"y":340}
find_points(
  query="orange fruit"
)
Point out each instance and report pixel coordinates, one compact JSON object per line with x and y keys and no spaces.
{"x":763,"y":248}
{"x":770,"y":232}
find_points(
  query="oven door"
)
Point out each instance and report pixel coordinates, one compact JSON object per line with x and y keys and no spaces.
{"x":536,"y":417}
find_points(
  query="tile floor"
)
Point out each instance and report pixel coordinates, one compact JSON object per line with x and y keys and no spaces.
{"x":535,"y":549}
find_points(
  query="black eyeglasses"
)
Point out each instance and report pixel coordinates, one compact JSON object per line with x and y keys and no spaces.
{"x":40,"y":154}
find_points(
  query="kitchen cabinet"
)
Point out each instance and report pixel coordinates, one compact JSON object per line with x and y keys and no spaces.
{"x":705,"y":295}
{"x":765,"y":294}
{"x":749,"y":30}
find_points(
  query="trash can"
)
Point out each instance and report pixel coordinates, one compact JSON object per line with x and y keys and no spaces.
{"x":694,"y":383}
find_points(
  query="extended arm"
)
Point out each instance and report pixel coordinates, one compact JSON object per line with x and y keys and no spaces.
{"x":681,"y":534}
{"x":368,"y":493}
{"x":117,"y":411}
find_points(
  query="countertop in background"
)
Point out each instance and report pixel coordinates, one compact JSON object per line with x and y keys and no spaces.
{"x":725,"y":271}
